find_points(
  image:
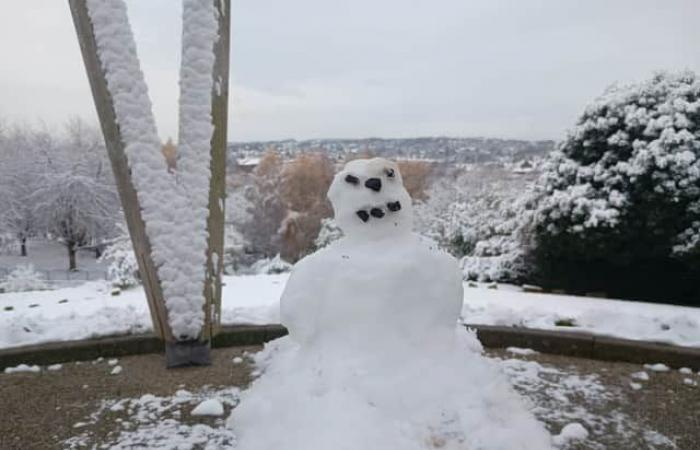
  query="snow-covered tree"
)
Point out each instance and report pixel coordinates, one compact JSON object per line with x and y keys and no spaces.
{"x":123,"y":270}
{"x":75,"y":209}
{"x":22,"y":162}
{"x":619,"y":206}
{"x":266,"y":211}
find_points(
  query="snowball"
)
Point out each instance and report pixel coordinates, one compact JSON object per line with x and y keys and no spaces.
{"x":636,"y":386}
{"x":113,"y":362}
{"x":571,"y":432}
{"x":116,"y":370}
{"x":210,"y":407}
{"x":685,"y":371}
{"x":689,"y":382}
{"x":55,"y":367}
{"x":237,"y":360}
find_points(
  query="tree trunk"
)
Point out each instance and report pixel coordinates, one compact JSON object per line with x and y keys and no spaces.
{"x":71,"y":257}
{"x":23,"y":246}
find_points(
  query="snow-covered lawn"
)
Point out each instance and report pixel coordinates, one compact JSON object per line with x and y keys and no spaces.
{"x":90,"y":310}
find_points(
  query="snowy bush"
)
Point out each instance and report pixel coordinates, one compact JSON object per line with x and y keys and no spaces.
{"x":270,"y":266}
{"x":482,"y":216}
{"x":123,"y":270}
{"x":619,"y":201}
{"x":23,"y":278}
{"x":329,"y":232}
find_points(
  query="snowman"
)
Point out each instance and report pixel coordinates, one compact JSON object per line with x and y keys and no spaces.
{"x":375,"y":358}
{"x":380,"y":287}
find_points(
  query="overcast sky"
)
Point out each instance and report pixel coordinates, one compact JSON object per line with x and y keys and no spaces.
{"x":362,"y":68}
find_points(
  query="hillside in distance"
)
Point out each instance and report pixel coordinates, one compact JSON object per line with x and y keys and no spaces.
{"x":439,"y":149}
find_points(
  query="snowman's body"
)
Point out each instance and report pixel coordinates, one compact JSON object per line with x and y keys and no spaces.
{"x":375,"y":358}
{"x":381,"y":293}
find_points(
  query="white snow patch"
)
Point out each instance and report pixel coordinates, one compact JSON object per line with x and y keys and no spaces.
{"x":521,"y":351}
{"x":570,"y":433}
{"x":113,"y":362}
{"x":54,"y":367}
{"x":640,"y":376}
{"x":116,"y":370}
{"x":154,"y":422}
{"x":23,"y":368}
{"x":658,"y":367}
{"x":635,"y":386}
{"x":237,"y":360}
{"x":209,"y":407}
{"x":685,"y":371}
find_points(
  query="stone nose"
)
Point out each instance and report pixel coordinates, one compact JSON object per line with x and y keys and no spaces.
{"x":374,"y":183}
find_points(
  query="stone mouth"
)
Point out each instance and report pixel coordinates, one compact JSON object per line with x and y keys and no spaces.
{"x":378,"y":211}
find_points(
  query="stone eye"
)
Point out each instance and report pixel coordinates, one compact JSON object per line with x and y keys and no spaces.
{"x":352,"y":179}
{"x":389,"y":173}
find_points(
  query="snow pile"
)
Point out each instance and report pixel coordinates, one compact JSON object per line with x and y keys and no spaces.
{"x":369,"y":316}
{"x":174,"y":207}
{"x":23,"y":278}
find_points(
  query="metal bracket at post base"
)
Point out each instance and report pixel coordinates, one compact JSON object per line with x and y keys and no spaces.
{"x":187,"y":353}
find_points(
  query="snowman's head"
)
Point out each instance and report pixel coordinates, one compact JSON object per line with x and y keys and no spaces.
{"x":369,"y":199}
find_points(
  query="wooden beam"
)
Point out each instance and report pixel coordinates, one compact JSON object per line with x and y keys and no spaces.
{"x":217,"y":184}
{"x":120,"y":166}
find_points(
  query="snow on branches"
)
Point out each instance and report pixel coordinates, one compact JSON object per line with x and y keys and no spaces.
{"x":634,"y":147}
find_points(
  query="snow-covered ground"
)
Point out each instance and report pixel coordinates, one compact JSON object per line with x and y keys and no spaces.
{"x":90,"y":310}
{"x":580,"y":409}
{"x":50,"y":258}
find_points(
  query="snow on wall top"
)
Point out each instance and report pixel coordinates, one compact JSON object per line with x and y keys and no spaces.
{"x":174,"y":207}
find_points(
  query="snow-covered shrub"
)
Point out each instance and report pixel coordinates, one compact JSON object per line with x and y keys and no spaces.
{"x":123,"y":270}
{"x":23,"y":278}
{"x":270,"y":266}
{"x":236,"y":254}
{"x":329,"y":232}
{"x":483,"y":217}
{"x":619,"y":201}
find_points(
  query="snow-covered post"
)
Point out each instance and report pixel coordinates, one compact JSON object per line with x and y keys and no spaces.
{"x":175,"y":218}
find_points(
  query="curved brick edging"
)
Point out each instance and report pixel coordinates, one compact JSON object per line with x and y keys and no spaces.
{"x":567,"y":343}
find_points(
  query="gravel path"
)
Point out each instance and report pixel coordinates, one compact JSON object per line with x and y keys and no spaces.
{"x":83,"y":405}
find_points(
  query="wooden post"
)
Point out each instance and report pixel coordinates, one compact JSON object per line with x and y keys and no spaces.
{"x":178,"y":353}
{"x":217,"y":184}
{"x":122,"y":174}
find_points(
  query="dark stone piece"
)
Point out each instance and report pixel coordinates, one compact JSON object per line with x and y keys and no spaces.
{"x":376,"y":212}
{"x":374,"y":183}
{"x":352,"y":179}
{"x":362,"y":214}
{"x":394,"y":206}
{"x":187,"y":353}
